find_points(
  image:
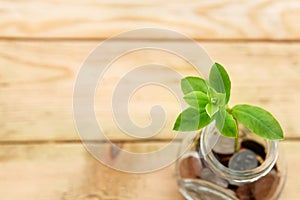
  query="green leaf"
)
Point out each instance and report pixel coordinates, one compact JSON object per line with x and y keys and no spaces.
{"x":219,"y":80}
{"x":259,"y":121}
{"x":226,"y":124}
{"x":216,"y":98}
{"x":211,"y":109}
{"x":190,"y":84}
{"x":191,"y":119}
{"x":197,"y":99}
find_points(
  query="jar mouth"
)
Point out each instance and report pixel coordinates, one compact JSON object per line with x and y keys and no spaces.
{"x":236,"y":176}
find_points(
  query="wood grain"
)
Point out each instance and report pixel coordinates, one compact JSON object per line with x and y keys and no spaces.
{"x":43,"y":44}
{"x":37,"y":80}
{"x":224,"y":19}
{"x":67,"y":171}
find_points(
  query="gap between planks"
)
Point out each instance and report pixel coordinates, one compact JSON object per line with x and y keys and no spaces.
{"x":77,"y":141}
{"x":97,"y":39}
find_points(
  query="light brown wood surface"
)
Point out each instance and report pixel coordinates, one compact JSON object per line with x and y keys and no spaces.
{"x":43,"y":44}
{"x":67,"y":171}
{"x":224,"y":19}
{"x":37,"y":81}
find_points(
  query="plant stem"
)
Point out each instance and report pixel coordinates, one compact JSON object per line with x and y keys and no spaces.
{"x":236,"y":141}
{"x":236,"y":145}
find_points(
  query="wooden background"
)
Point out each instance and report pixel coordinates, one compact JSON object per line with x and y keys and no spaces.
{"x":43,"y":44}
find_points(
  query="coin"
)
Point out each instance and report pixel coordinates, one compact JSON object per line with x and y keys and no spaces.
{"x":244,"y":192}
{"x":190,"y":166}
{"x":243,"y":160}
{"x":266,"y":186}
{"x":224,"y":145}
{"x":208,"y":175}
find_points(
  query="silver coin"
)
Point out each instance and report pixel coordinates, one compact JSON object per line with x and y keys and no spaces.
{"x":243,"y":160}
{"x":208,"y":175}
{"x":224,"y":145}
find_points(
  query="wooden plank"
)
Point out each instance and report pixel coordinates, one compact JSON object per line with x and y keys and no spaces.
{"x":259,"y":19}
{"x":292,"y":185}
{"x":67,"y":171}
{"x":37,"y":79}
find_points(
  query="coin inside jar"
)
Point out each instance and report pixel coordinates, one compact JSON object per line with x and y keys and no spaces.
{"x":208,"y":175}
{"x":224,"y":145}
{"x":243,"y":160}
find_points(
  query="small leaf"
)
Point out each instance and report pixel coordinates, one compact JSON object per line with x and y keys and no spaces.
{"x":191,"y":119}
{"x":190,"y":84}
{"x":219,"y":80}
{"x":259,"y":121}
{"x":197,"y":99}
{"x":226,"y":124}
{"x":211,"y":109}
{"x":216,"y":98}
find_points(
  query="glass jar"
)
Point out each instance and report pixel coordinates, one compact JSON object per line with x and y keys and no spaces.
{"x":201,"y":174}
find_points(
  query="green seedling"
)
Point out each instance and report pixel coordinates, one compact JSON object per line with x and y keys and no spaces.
{"x":208,"y":101}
